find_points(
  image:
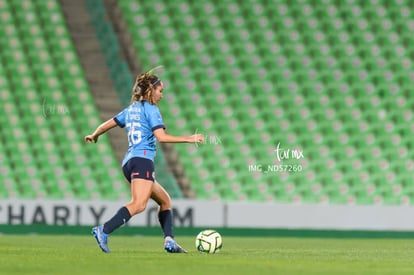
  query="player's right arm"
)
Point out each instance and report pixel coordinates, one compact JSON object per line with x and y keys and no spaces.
{"x":157,"y":126}
{"x":162,"y":136}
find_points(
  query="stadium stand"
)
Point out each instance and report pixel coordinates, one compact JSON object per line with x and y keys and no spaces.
{"x":47,"y":109}
{"x":328,"y":78}
{"x":122,"y":79}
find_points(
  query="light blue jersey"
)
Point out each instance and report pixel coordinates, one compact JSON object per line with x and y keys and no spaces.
{"x":140,"y":119}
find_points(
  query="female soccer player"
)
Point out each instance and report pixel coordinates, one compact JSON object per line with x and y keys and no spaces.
{"x":144,"y":125}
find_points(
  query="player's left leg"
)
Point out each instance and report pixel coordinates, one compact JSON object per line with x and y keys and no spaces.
{"x":141,"y":191}
{"x":165,"y":217}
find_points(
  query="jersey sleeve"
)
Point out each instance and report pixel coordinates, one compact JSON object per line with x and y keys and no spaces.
{"x":120,"y":118}
{"x":155,"y":118}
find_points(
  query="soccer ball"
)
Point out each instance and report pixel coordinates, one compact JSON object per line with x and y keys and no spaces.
{"x":209,"y":241}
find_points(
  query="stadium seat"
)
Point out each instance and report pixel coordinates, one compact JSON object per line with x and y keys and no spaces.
{"x":42,"y":99}
{"x":330,"y":78}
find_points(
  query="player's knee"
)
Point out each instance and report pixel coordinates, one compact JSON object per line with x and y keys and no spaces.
{"x":138,"y":207}
{"x":165,"y":204}
{"x":165,"y":207}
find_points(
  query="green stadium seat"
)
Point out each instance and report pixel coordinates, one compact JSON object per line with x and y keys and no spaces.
{"x":346,"y":92}
{"x":37,"y":107}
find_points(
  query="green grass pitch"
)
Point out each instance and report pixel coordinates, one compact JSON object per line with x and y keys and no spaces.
{"x":65,"y":254}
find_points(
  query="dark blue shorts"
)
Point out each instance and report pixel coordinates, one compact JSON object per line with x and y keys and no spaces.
{"x":139,"y":168}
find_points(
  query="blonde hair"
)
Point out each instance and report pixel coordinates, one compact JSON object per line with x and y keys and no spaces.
{"x":144,"y":85}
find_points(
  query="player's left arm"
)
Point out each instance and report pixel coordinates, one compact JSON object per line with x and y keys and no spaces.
{"x":104,"y":127}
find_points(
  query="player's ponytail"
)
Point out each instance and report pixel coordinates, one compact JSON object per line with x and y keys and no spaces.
{"x":143,"y":86}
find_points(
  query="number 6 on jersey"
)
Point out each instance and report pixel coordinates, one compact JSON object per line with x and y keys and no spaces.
{"x":134,"y":133}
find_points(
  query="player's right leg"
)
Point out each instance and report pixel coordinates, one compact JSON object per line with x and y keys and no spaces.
{"x":165,"y":217}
